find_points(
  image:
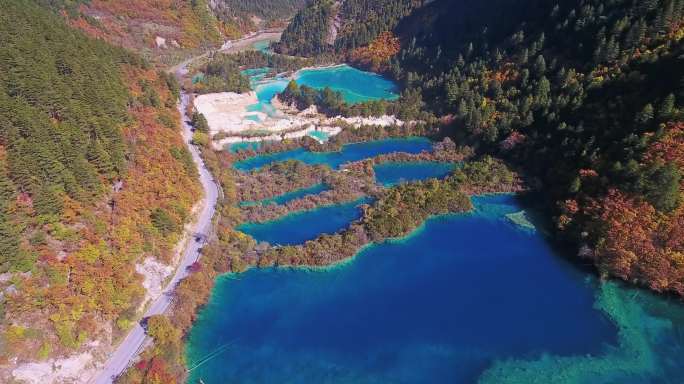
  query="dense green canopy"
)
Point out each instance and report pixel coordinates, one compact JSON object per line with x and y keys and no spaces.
{"x":62,"y":106}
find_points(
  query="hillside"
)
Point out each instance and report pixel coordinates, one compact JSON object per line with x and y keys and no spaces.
{"x":250,"y":15}
{"x":95,"y":186}
{"x":326,"y":25}
{"x":170,"y":30}
{"x":586,"y":96}
{"x":159,"y":30}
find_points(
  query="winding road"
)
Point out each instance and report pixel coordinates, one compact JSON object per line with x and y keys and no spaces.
{"x":234,"y":46}
{"x":136,"y":338}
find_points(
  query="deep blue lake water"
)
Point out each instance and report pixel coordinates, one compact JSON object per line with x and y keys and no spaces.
{"x":467,"y":298}
{"x":463,"y":294}
{"x":298,"y":227}
{"x":287,"y":197}
{"x":349,"y":152}
{"x":391,"y":173}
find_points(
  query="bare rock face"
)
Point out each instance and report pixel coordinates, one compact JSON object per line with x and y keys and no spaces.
{"x":154,"y":274}
{"x":335,"y":24}
{"x":160,"y":42}
{"x":75,"y":369}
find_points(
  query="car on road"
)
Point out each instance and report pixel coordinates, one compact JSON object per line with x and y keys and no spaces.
{"x":143,"y":323}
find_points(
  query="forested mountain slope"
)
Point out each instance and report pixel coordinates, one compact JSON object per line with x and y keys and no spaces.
{"x":168,"y":30}
{"x":160,"y":30}
{"x":584,"y":95}
{"x":326,"y":25}
{"x":587,"y":96}
{"x":94,"y":179}
{"x":253,"y":14}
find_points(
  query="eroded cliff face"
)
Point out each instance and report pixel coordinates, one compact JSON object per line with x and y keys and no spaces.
{"x":335,"y":24}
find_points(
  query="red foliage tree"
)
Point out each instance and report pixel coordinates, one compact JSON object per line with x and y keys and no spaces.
{"x":640,"y":244}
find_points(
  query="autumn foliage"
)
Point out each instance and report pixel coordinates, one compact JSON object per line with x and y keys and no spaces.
{"x":670,"y":147}
{"x":638,"y":242}
{"x":136,"y":23}
{"x":376,"y":54}
{"x":79,"y":282}
{"x":224,"y":252}
{"x":154,"y":370}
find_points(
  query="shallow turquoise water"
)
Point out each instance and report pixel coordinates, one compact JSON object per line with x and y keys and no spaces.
{"x":298,"y":227}
{"x":267,"y":89}
{"x":441,"y":306}
{"x":197,"y":78}
{"x":287,"y":197}
{"x":319,"y":135}
{"x":256,"y":73}
{"x":262,"y":46}
{"x":355,"y":85}
{"x":389,"y":174}
{"x":244,"y":145}
{"x":349,"y":153}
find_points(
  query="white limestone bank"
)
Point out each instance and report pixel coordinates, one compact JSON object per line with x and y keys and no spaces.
{"x":230,"y":121}
{"x":227,"y":111}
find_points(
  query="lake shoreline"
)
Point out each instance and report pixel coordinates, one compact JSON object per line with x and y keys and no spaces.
{"x":632,"y":349}
{"x":356,"y":179}
{"x":238,"y":123}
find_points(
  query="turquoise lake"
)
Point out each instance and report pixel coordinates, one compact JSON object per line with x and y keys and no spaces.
{"x":464,"y":299}
{"x":243,"y":146}
{"x":319,"y":135}
{"x":298,"y":227}
{"x":262,"y":46}
{"x":287,"y":197}
{"x":389,"y":174}
{"x":349,"y":153}
{"x":355,"y":85}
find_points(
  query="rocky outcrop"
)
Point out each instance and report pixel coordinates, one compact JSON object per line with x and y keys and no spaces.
{"x":336,"y":23}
